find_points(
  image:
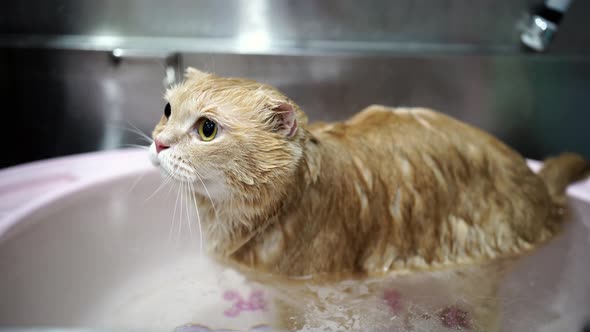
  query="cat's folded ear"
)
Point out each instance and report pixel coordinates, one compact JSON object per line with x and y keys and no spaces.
{"x":284,"y":119}
{"x":193,"y":74}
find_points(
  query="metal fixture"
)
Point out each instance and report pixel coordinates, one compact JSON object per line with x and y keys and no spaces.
{"x":172,"y":61}
{"x":542,"y":25}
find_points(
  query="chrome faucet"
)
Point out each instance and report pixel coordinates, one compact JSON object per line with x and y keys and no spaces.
{"x":542,"y":24}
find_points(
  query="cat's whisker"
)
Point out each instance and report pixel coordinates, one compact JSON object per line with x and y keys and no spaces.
{"x":208,"y":195}
{"x":217,"y":223}
{"x":162,"y":185}
{"x":166,"y":181}
{"x":179,"y":229}
{"x":199,"y":221}
{"x":170,"y":177}
{"x":174,"y":216}
{"x":143,"y":147}
{"x":188,"y":217}
{"x":179,"y":234}
{"x":147,"y":140}
{"x":137,"y":180}
{"x":133,"y":130}
{"x":180,"y":197}
{"x":140,"y":133}
{"x":169,"y":190}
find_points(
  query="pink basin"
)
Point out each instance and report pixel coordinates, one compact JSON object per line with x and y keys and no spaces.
{"x":92,"y":241}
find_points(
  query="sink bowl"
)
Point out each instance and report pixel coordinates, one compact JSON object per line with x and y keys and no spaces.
{"x":90,"y":241}
{"x":96,"y":241}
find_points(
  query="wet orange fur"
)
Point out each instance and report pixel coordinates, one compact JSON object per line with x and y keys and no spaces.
{"x":391,"y":190}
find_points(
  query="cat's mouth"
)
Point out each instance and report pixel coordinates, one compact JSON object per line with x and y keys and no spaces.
{"x":172,"y":166}
{"x":185,"y":176}
{"x":154,"y":155}
{"x":177,"y":170}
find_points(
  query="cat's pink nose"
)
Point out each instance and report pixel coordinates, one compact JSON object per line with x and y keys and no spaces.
{"x":160,"y":146}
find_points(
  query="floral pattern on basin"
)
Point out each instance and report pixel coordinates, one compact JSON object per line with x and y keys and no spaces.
{"x":254,"y":302}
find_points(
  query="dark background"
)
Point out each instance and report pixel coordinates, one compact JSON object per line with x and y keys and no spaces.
{"x":63,"y":92}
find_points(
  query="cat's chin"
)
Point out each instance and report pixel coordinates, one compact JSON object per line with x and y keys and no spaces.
{"x":176,"y":178}
{"x":171,"y":170}
{"x":212,"y":189}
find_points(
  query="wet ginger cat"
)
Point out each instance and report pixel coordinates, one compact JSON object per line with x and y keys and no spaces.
{"x":375,"y":200}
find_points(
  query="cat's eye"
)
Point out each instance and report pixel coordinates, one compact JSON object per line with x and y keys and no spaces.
{"x":167,"y":110}
{"x":207,"y":129}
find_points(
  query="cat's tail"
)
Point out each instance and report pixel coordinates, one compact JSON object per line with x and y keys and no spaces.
{"x":560,"y":171}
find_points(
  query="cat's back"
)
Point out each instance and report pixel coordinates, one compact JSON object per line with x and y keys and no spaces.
{"x":440,"y":189}
{"x":382,"y":135}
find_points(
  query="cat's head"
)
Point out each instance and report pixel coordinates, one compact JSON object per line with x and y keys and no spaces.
{"x":228,"y":137}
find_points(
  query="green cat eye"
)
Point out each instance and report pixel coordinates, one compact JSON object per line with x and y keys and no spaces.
{"x":207,"y":129}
